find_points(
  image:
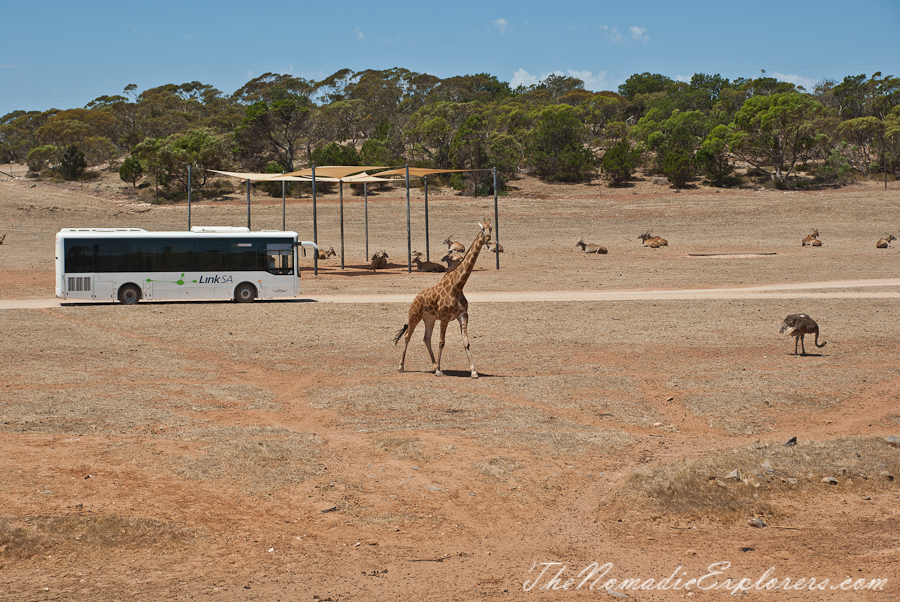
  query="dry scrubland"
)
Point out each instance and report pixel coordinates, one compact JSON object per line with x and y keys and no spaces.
{"x":272,"y":451}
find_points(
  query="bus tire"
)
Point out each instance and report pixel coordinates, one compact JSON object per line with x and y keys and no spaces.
{"x":129,"y":294}
{"x":245,"y":293}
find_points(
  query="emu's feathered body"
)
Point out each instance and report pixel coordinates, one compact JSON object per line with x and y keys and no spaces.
{"x":799,"y":325}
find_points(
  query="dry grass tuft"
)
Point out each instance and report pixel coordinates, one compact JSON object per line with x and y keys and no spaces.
{"x":767,"y":473}
{"x":27,"y":537}
{"x":498,"y":468}
{"x":400,"y":448}
{"x":261,"y":459}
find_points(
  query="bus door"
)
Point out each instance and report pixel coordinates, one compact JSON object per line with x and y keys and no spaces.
{"x":280,"y":262}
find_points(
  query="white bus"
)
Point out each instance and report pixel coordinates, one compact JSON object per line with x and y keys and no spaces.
{"x":130,"y":264}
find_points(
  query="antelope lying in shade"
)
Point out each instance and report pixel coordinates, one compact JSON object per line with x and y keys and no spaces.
{"x":452,"y":259}
{"x":812,"y":240}
{"x":452,"y":246}
{"x":326,"y":254}
{"x":884,"y":243}
{"x":654,"y":242}
{"x":494,"y":247}
{"x":379,"y":261}
{"x":798,"y":325}
{"x":426,"y":266}
{"x":591,"y":248}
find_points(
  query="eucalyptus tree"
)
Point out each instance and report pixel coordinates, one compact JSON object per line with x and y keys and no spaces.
{"x":773,"y":132}
{"x":274,"y":128}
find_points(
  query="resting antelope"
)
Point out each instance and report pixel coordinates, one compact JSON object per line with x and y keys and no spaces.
{"x":812,"y":240}
{"x":426,"y":266}
{"x":884,"y":243}
{"x":326,"y":254}
{"x":591,"y":248}
{"x":454,"y":246}
{"x":654,"y":242}
{"x":452,"y":259}
{"x":798,"y":325}
{"x":494,"y":247}
{"x":2,"y":238}
{"x":379,"y":261}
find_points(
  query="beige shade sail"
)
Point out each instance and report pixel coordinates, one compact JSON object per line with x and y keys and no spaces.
{"x":254,"y":177}
{"x":333,"y":171}
{"x":418,"y":171}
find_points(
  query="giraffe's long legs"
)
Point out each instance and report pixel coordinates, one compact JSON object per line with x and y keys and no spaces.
{"x":429,"y":328}
{"x":413,"y":322}
{"x":464,"y":331}
{"x":437,"y":370}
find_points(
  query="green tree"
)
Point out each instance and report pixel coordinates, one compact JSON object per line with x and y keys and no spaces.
{"x":645,"y":83}
{"x":131,"y":171}
{"x":274,"y":129}
{"x":678,"y":165}
{"x":169,"y":158}
{"x":556,"y":148}
{"x":773,"y":132}
{"x":712,"y":158}
{"x":620,"y":161}
{"x":72,"y":164}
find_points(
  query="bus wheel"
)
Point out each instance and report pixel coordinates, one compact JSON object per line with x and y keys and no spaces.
{"x":129,"y":294}
{"x":245,"y":293}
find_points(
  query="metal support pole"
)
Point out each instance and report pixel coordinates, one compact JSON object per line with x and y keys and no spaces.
{"x":341,"y":186}
{"x":248,"y":203}
{"x":283,"y":183}
{"x":496,"y":225}
{"x":189,"y":198}
{"x":408,"y":232}
{"x":366,"y":205}
{"x":315,"y":221}
{"x":427,"y":249}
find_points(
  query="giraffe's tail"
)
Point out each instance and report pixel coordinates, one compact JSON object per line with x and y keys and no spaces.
{"x":400,"y":333}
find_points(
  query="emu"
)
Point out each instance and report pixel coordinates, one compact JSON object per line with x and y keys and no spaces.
{"x":799,"y":325}
{"x":591,"y":248}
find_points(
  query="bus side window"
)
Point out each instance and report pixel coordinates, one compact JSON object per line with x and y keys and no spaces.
{"x":79,"y":256}
{"x":280,"y":259}
{"x":214,"y":256}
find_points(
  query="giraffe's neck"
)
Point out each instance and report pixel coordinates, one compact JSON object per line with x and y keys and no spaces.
{"x":460,"y":275}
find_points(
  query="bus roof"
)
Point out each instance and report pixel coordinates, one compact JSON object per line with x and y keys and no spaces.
{"x":141,"y":233}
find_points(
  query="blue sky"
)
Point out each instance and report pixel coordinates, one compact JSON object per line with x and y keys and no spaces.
{"x":66,"y":54}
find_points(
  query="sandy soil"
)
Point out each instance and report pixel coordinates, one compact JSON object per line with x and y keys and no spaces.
{"x":271,"y":451}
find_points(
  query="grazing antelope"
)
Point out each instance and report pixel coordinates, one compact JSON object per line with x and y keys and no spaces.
{"x":812,"y":240}
{"x":884,"y":243}
{"x":427,"y":266}
{"x":591,"y":248}
{"x":454,"y":246}
{"x":654,"y":242}
{"x":326,"y":254}
{"x":494,"y":247}
{"x":452,"y":259}
{"x":445,"y":302}
{"x":798,"y":325}
{"x":379,"y":261}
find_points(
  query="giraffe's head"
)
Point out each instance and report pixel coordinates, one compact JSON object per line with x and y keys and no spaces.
{"x":485,"y":225}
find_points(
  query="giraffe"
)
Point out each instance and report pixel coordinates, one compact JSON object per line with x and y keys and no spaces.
{"x":445,"y":301}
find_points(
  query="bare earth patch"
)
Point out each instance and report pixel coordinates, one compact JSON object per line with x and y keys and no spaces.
{"x":195,"y":451}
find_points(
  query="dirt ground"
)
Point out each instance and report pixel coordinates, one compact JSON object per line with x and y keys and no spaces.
{"x":272,"y":451}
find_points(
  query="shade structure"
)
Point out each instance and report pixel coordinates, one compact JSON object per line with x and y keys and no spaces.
{"x":356,"y":174}
{"x":332,"y":171}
